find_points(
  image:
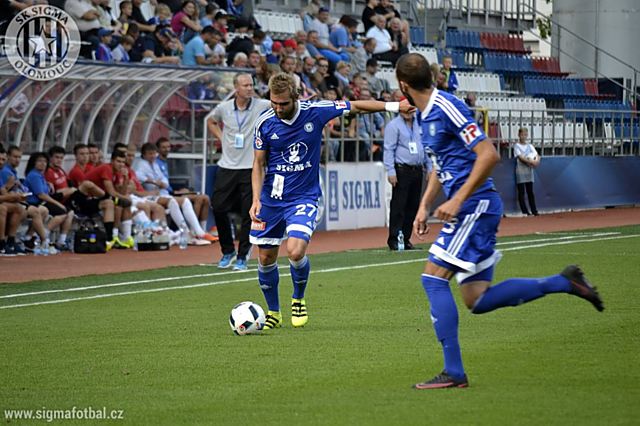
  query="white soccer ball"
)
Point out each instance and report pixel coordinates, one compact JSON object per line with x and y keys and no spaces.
{"x":246,"y":318}
{"x":532,"y":156}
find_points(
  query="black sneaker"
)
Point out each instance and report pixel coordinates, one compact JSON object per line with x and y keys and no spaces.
{"x":581,"y":287}
{"x":443,"y":380}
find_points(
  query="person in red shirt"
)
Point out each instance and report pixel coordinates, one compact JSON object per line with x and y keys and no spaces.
{"x":82,"y":166}
{"x":110,"y":179}
{"x":55,"y":174}
{"x":95,"y":155}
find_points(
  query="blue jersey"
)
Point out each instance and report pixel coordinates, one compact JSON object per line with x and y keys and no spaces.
{"x":449,"y":134}
{"x":293,"y":150}
{"x":37,"y":185}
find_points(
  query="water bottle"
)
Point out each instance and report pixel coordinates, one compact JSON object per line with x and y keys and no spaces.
{"x":400,"y":241}
{"x":135,"y":241}
{"x":45,"y":248}
{"x":184,"y":239}
{"x":37,"y":251}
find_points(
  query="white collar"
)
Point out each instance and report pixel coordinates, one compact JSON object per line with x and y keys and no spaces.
{"x":432,"y":100}
{"x":290,"y":122}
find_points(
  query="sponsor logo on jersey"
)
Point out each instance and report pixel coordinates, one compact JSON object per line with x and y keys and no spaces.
{"x":308,"y":127}
{"x":470,"y":133}
{"x":295,"y":152}
{"x":258,"y":226}
{"x":341,"y":104}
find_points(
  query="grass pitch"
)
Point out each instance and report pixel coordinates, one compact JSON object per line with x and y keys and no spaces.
{"x":158,"y":346}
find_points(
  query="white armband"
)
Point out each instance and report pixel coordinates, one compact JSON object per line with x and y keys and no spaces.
{"x":392,"y":106}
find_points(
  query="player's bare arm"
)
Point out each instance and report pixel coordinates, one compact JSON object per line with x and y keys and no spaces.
{"x":378,"y":106}
{"x":420,"y":225}
{"x":487,"y":158}
{"x":257,"y":179}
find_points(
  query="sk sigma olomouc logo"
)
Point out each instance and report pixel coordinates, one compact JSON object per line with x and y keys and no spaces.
{"x":42,"y":42}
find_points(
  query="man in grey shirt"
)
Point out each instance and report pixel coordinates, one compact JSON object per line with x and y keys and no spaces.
{"x":233,"y":178}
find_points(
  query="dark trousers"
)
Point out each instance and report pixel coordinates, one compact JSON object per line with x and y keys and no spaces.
{"x":528,"y":186}
{"x":405,"y":200}
{"x":229,"y":186}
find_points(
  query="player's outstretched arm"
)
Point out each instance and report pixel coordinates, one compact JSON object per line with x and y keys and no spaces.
{"x":486,"y":159}
{"x":420,"y":226}
{"x":378,"y":106}
{"x":257,"y":180}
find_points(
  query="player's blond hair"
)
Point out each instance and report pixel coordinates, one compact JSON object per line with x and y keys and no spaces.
{"x":283,"y":83}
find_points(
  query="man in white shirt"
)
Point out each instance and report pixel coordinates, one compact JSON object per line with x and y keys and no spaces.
{"x":386,"y":49}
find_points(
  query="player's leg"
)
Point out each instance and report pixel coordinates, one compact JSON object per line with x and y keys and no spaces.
{"x":301,"y":220}
{"x":269,"y":279}
{"x":523,"y":206}
{"x":16,"y":214}
{"x":3,"y":227}
{"x":413,"y":202}
{"x":268,"y":235}
{"x":397,"y":210}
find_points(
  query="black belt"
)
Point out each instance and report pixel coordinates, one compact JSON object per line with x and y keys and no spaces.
{"x":408,"y":166}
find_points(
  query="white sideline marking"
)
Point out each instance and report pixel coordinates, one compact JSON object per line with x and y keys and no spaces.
{"x":214,"y":274}
{"x":154,"y":290}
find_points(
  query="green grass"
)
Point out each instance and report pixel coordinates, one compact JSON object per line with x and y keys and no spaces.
{"x":170,"y":358}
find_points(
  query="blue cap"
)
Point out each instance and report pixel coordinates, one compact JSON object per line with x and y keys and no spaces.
{"x":102,"y":32}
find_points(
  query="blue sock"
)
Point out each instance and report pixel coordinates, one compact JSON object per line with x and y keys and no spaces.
{"x":268,"y":277}
{"x":444,"y":315}
{"x":516,"y":291}
{"x":299,"y":276}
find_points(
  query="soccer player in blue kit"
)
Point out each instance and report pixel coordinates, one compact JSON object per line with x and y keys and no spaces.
{"x":286,"y":185}
{"x":463,"y":159}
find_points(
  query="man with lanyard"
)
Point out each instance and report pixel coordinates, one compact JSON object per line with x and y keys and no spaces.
{"x":403,"y":159}
{"x":234,"y":168}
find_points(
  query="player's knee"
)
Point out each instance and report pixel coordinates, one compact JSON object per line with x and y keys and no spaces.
{"x":268,"y":258}
{"x":296,"y":254}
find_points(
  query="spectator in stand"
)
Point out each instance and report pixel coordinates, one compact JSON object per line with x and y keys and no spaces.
{"x":376,"y":85}
{"x":260,"y":41}
{"x":210,"y":11}
{"x":95,"y":155}
{"x":399,"y":37}
{"x":435,"y":70}
{"x":254,"y":60}
{"x":312,"y":40}
{"x":194,"y":51}
{"x":185,"y":23}
{"x":126,"y":9}
{"x":362,"y":55}
{"x":86,"y":16}
{"x":478,"y":115}
{"x":370,"y":130}
{"x":321,"y":76}
{"x":386,"y":9}
{"x":368,"y":13}
{"x":10,"y":183}
{"x":441,"y":82}
{"x":397,"y":96}
{"x":240,"y":60}
{"x":343,"y":35}
{"x":450,"y":75}
{"x":109,"y":177}
{"x":103,"y":53}
{"x":263,"y":74}
{"x":174,"y":5}
{"x":196,"y":206}
{"x":61,"y":218}
{"x":290,"y":46}
{"x":308,"y":69}
{"x":386,"y":50}
{"x":358,"y":82}
{"x":162,"y":18}
{"x":157,"y":47}
{"x":242,"y":42}
{"x":324,"y":46}
{"x":301,"y":40}
{"x":81,"y":167}
{"x":276,"y":53}
{"x":121,"y":52}
{"x":308,"y":14}
{"x":342,"y":72}
{"x":138,"y":17}
{"x":107,"y":19}
{"x":220,"y":22}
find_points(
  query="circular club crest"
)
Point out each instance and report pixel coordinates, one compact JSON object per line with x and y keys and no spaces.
{"x":42,"y":42}
{"x":308,"y":127}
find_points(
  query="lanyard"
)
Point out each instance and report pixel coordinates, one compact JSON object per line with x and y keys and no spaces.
{"x":241,"y":123}
{"x":409,"y":129}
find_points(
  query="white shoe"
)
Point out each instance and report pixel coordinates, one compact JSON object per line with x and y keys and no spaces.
{"x":198,"y":242}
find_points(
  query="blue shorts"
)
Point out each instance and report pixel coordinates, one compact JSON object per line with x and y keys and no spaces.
{"x":466,"y":246}
{"x":296,"y":220}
